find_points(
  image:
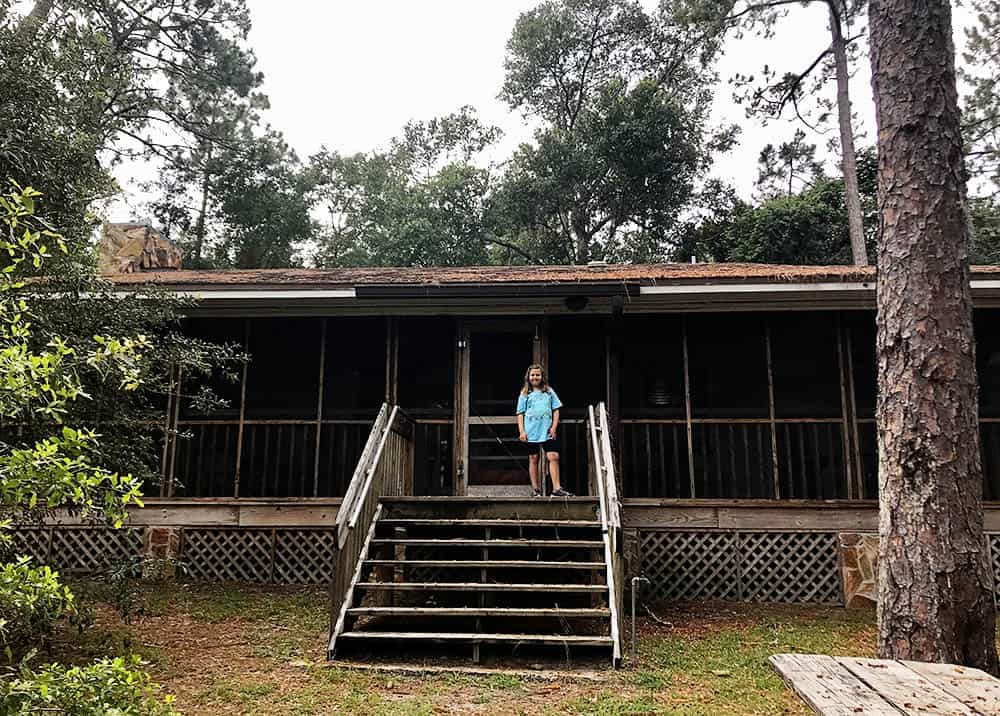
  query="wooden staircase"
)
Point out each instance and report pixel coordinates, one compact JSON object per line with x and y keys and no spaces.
{"x":524,"y":573}
{"x":518,"y":573}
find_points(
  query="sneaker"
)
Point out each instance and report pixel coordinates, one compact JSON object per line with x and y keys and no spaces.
{"x":536,"y":493}
{"x":562,"y":493}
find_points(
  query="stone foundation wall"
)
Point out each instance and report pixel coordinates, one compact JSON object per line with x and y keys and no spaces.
{"x":858,"y":566}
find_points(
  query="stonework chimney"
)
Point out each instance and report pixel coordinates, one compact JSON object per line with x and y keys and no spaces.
{"x":128,"y":248}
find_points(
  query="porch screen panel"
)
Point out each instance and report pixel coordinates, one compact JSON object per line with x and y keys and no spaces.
{"x":578,"y":369}
{"x":652,"y":404}
{"x":354,"y":373}
{"x":426,"y":391}
{"x":727,"y":367}
{"x":282,"y":399}
{"x":859,"y":328}
{"x":203,"y":457}
{"x":808,"y":405}
{"x":577,"y":362}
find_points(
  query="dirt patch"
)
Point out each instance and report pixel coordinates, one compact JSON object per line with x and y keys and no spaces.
{"x":248,"y":650}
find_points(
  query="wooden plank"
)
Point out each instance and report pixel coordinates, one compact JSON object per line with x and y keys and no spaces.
{"x":904,"y":688}
{"x":405,"y":522}
{"x":829,"y":688}
{"x":670,"y":517}
{"x":287,"y":516}
{"x":479,"y":587}
{"x":487,"y":563}
{"x":991,"y":518}
{"x":792,"y":518}
{"x":596,"y":613}
{"x":461,"y":542}
{"x":559,"y":639}
{"x":974,"y":688}
{"x":207,"y":516}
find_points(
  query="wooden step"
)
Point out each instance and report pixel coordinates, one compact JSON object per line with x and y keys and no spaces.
{"x":480,"y":500}
{"x":595,"y":613}
{"x":482,"y":587}
{"x":461,"y":542}
{"x":504,"y":522}
{"x":483,"y":563}
{"x":472,"y":638}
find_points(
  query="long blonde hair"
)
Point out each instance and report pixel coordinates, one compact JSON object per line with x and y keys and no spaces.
{"x":544,"y":387}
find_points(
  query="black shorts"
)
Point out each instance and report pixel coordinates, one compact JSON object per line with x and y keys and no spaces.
{"x":549,"y":445}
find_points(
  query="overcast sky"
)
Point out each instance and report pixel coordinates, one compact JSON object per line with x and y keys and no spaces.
{"x":348,"y":75}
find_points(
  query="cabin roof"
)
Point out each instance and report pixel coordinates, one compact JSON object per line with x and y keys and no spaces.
{"x":504,"y":290}
{"x":645,"y":274}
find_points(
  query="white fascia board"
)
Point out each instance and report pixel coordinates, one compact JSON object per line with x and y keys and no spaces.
{"x":723,"y":288}
{"x":258,"y":294}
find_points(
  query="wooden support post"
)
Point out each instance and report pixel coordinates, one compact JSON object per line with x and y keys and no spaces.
{"x":167,"y":415}
{"x":243,"y":410}
{"x":855,"y":433}
{"x":319,"y":405}
{"x":460,"y":441}
{"x":170,"y":436}
{"x":613,"y":361}
{"x":846,"y":440}
{"x":392,"y":361}
{"x":687,"y":406}
{"x":770,"y":408}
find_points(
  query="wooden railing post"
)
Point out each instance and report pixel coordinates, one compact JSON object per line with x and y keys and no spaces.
{"x":603,"y":471}
{"x":385,"y":469}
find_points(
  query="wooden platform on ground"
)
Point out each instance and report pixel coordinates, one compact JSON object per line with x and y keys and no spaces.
{"x":836,"y":686}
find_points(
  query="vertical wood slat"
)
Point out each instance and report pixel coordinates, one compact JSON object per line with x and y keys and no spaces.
{"x":319,"y":405}
{"x":649,"y":462}
{"x":855,"y":438}
{"x":166,"y":485}
{"x":243,"y":409}
{"x":687,"y":406}
{"x":845,"y":411}
{"x":677,"y":460}
{"x":770,"y":409}
{"x":176,"y":416}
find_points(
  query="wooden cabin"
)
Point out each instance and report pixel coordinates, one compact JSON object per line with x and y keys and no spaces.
{"x":739,"y":399}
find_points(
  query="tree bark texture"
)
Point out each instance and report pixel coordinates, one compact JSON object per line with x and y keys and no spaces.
{"x":934,"y":599}
{"x":848,"y":158}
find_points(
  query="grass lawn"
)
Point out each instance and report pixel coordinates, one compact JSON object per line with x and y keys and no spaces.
{"x":246,"y":650}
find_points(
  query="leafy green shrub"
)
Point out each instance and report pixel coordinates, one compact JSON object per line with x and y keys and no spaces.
{"x":109,"y":686}
{"x":31,"y":600}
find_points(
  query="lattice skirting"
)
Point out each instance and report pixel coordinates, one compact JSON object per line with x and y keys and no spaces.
{"x":271,"y":556}
{"x":78,"y":550}
{"x":742,"y":566}
{"x":275,"y":556}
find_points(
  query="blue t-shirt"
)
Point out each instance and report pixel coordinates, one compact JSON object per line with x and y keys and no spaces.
{"x":537,"y":407}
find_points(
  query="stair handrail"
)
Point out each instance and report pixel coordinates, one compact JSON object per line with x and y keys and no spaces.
{"x":603,"y":478}
{"x":361,"y":470}
{"x":385,"y":469}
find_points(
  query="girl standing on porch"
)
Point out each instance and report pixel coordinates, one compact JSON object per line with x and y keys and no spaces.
{"x":537,"y":420}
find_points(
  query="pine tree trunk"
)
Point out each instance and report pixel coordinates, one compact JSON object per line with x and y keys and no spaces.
{"x":38,"y":16}
{"x":934,"y":596}
{"x":200,"y":222}
{"x":848,"y":158}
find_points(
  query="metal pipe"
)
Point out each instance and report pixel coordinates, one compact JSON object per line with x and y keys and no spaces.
{"x":635,"y":646}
